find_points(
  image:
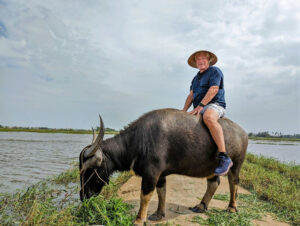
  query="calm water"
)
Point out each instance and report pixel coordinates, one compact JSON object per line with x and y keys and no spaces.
{"x":26,"y":158}
{"x":284,"y":151}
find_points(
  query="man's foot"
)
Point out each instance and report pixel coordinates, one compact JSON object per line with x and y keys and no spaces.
{"x":224,"y":164}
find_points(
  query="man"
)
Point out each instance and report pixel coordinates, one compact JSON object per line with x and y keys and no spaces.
{"x":207,"y":95}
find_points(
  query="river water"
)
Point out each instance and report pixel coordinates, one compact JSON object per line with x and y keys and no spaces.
{"x":26,"y":158}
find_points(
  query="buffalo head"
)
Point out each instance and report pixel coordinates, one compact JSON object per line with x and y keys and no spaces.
{"x":93,"y":172}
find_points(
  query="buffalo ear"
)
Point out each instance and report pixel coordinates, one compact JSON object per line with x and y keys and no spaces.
{"x":93,"y":162}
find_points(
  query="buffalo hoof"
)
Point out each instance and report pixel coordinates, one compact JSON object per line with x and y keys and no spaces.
{"x":232,"y":209}
{"x":138,"y":222}
{"x":198,"y":209}
{"x":156,"y":216}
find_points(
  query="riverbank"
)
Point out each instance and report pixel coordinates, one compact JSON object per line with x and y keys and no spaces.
{"x":275,"y":182}
{"x":70,"y":131}
{"x":272,"y":196}
{"x":81,"y":131}
{"x":55,"y":201}
{"x":275,"y":139}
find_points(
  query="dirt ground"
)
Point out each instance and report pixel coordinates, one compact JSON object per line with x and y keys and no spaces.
{"x":182,"y":192}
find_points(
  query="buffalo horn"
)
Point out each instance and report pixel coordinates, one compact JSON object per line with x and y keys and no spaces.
{"x":96,"y":145}
{"x":94,"y":135}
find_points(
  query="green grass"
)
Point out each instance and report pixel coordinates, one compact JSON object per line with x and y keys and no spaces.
{"x":55,"y":201}
{"x":250,"y":208}
{"x":69,"y":176}
{"x":98,"y":210}
{"x":276,"y":183}
{"x":274,"y":186}
{"x":275,"y":190}
{"x":286,"y":170}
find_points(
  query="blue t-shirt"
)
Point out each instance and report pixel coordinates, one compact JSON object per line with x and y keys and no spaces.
{"x":212,"y":76}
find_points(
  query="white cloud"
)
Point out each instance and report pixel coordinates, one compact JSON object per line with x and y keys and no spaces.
{"x":127,"y":57}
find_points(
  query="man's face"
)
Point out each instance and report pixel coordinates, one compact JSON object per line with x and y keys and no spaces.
{"x":202,"y":61}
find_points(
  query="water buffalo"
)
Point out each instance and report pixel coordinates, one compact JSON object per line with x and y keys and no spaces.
{"x":160,"y":143}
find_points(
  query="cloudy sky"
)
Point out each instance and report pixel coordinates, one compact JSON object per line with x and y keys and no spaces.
{"x":63,"y":62}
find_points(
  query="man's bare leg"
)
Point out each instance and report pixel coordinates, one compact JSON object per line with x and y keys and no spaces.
{"x":210,"y":118}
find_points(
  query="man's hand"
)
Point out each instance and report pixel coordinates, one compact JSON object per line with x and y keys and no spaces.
{"x":196,"y":111}
{"x":189,"y":101}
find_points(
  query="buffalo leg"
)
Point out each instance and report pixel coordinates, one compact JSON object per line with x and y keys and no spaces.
{"x":233,"y":179}
{"x":161,"y":193}
{"x":212,"y":185}
{"x":148,"y":186}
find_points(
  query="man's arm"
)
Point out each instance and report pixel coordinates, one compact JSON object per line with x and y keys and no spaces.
{"x":211,"y":93}
{"x":188,"y":101}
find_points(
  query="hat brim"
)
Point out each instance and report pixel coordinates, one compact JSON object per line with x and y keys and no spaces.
{"x":213,"y":58}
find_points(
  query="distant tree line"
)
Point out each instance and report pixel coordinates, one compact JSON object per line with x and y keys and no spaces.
{"x":273,"y":134}
{"x":106,"y":129}
{"x":251,"y":134}
{"x":46,"y":128}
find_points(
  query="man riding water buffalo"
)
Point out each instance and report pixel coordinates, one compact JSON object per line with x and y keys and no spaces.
{"x":207,"y":95}
{"x":170,"y":141}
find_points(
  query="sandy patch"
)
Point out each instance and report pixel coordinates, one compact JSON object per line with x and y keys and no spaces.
{"x":182,"y":192}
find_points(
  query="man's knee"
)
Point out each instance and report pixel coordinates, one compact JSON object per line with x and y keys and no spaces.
{"x":210,"y":117}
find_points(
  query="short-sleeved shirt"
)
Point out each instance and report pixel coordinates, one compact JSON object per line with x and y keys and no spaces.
{"x":212,"y":76}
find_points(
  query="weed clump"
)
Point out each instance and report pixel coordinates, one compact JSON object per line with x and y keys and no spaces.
{"x":98,"y":210}
{"x":55,"y":201}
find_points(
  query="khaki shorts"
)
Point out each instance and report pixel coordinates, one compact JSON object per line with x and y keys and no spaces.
{"x":221,"y":111}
